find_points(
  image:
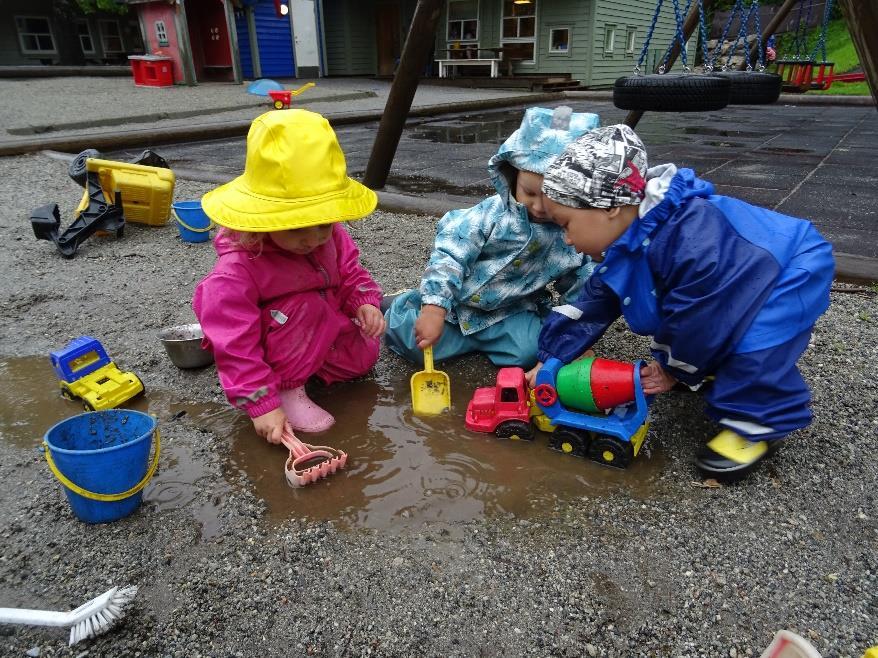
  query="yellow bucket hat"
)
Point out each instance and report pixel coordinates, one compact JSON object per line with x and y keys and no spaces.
{"x":295,"y":176}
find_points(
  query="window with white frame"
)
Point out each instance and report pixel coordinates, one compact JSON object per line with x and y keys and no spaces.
{"x":35,"y":35}
{"x":630,"y":40}
{"x":462,"y":32}
{"x":520,"y":28}
{"x":161,"y":33}
{"x":559,"y":40}
{"x":609,"y":38}
{"x":111,"y":36}
{"x":86,"y":43}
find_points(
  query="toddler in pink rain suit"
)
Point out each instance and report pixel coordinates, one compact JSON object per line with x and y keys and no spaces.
{"x":288,"y":298}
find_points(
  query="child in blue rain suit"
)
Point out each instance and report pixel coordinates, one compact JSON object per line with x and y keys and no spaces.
{"x":723,"y":287}
{"x":484,"y":288}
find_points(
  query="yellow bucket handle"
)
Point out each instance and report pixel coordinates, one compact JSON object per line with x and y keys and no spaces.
{"x":191,"y":228}
{"x":107,"y":498}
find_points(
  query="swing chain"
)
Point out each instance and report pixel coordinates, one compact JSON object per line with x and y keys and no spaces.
{"x":802,"y":45}
{"x":821,"y":40}
{"x":742,"y":36}
{"x":678,"y":36}
{"x":702,"y":28}
{"x":761,"y":52}
{"x":717,"y":49}
{"x":645,"y":49}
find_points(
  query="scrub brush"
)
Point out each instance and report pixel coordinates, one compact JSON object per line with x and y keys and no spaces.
{"x":89,"y":619}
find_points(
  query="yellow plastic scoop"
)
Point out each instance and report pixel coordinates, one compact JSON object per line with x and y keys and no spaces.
{"x":431,"y":389}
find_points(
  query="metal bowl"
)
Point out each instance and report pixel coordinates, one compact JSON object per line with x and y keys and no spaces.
{"x":183,"y":345}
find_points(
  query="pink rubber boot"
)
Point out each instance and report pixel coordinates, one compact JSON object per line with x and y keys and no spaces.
{"x":302,"y":413}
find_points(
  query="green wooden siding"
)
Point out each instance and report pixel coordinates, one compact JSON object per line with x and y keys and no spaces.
{"x":630,"y":15}
{"x":349,"y":28}
{"x":574,"y":15}
{"x":351,"y":49}
{"x":585,"y":59}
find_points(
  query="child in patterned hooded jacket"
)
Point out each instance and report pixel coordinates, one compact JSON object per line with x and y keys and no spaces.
{"x":484,"y":288}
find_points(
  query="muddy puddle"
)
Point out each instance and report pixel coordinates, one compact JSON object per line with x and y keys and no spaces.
{"x":402,"y":470}
{"x":30,"y":404}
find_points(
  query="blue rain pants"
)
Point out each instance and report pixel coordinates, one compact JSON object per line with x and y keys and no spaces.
{"x":510,"y":342}
{"x":761,"y":395}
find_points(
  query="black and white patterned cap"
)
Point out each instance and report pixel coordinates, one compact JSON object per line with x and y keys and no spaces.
{"x":604,"y":168}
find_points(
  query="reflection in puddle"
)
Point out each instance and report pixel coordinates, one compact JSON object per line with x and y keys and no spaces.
{"x":422,"y":185}
{"x":402,"y":470}
{"x":469,"y":130}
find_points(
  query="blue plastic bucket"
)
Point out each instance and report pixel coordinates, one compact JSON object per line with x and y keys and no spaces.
{"x":192,"y":222}
{"x":102,"y":459}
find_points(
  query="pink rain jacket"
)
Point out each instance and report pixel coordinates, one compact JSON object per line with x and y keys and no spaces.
{"x":272,"y":317}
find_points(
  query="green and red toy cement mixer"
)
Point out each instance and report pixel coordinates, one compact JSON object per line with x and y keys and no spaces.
{"x":593,"y":408}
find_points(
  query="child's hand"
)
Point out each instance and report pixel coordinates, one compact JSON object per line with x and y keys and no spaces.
{"x":270,"y":426}
{"x":531,"y":375}
{"x":655,"y":379}
{"x":371,"y":320}
{"x":429,"y":325}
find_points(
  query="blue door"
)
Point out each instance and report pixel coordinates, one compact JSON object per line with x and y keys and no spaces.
{"x":275,"y":40}
{"x":244,"y":43}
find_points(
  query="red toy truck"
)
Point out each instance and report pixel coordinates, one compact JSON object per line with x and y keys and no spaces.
{"x":503,"y":409}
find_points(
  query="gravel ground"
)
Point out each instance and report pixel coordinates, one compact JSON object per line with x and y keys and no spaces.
{"x":683,"y":570}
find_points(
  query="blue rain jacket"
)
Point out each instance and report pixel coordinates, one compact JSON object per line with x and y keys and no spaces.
{"x":490,"y":261}
{"x":706,"y":276}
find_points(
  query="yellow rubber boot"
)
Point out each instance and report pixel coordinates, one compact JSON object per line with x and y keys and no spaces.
{"x":730,"y":456}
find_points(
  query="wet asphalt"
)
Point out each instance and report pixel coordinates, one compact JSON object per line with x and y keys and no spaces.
{"x":809,"y":161}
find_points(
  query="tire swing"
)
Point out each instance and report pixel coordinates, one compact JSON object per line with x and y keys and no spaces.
{"x":670,"y":92}
{"x":748,"y":87}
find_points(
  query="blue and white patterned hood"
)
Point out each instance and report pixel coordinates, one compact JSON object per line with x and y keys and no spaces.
{"x":543,"y":135}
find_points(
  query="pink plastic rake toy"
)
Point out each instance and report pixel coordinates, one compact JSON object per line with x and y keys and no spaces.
{"x":307,"y":463}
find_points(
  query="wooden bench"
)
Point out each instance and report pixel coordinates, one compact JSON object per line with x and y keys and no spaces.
{"x":511,"y":53}
{"x":445,"y":64}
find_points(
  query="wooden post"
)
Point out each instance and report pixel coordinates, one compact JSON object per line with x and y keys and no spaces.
{"x":862,"y":20}
{"x":418,"y":45}
{"x":770,"y":29}
{"x":688,"y":28}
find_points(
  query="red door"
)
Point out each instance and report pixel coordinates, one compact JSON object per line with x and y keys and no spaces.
{"x":209,"y":36}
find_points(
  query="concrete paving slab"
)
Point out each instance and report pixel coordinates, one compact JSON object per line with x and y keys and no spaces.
{"x":761,"y":196}
{"x":756,"y":175}
{"x":845,"y":176}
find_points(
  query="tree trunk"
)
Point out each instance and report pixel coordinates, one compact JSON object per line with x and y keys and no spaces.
{"x":415,"y":54}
